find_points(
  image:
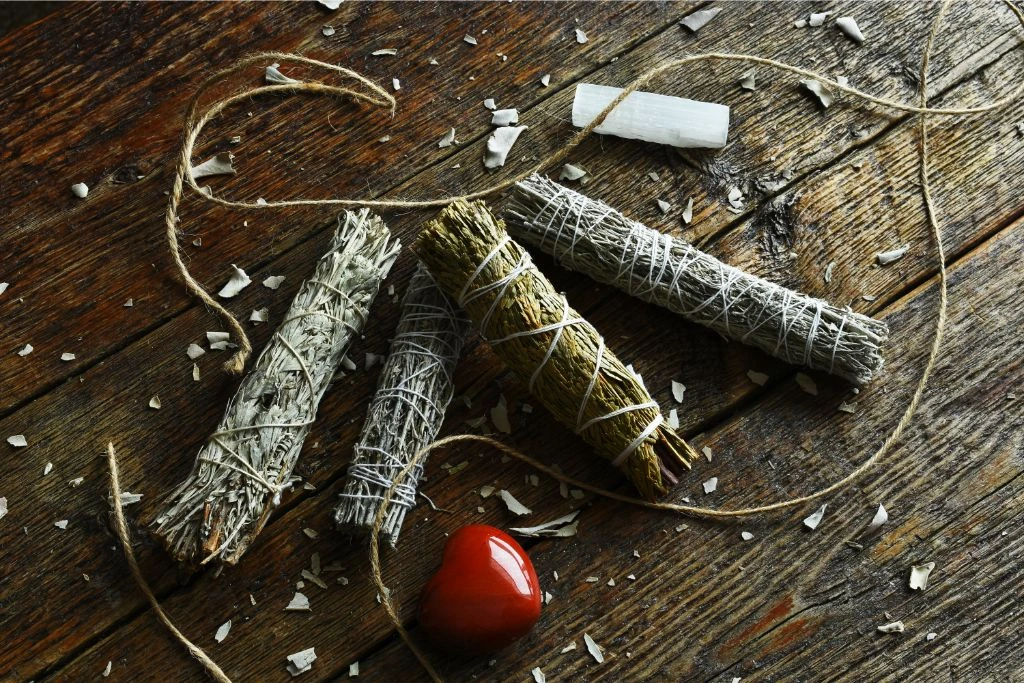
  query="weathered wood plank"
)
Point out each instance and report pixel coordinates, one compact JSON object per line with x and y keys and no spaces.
{"x":790,"y":603}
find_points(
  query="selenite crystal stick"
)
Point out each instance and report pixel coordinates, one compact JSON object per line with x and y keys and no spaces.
{"x":559,"y":355}
{"x":413,"y":392}
{"x":588,"y":236}
{"x":647,"y":116}
{"x":247,"y":463}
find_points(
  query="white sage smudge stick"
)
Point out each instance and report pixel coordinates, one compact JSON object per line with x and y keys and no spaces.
{"x":247,"y":463}
{"x":588,"y":236}
{"x":413,"y":393}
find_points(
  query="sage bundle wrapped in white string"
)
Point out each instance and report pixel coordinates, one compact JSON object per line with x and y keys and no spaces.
{"x":413,"y":393}
{"x":247,"y":463}
{"x":588,"y":236}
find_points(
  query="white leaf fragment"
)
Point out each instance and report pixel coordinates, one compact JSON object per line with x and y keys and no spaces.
{"x":385,"y":52}
{"x":18,"y":441}
{"x":26,"y":349}
{"x":62,"y":524}
{"x":47,"y":468}
{"x":880,"y":518}
{"x":699,"y":20}
{"x":570,"y":172}
{"x":823,"y":94}
{"x":817,"y":18}
{"x":919,"y":574}
{"x":710,"y":485}
{"x":396,"y":84}
{"x":3,"y":507}
{"x":299,"y":603}
{"x":538,"y":675}
{"x":327,"y":31}
{"x":129,"y":303}
{"x":238,"y":281}
{"x":505,"y":117}
{"x":749,"y":80}
{"x":707,"y":452}
{"x":486,"y":491}
{"x":195,"y":373}
{"x":848,"y":407}
{"x":80,"y":190}
{"x":806,"y":383}
{"x":673,"y":418}
{"x":931,"y":636}
{"x":500,"y":144}
{"x":746,"y":536}
{"x":688,"y":211}
{"x":469,"y":39}
{"x":884,"y":258}
{"x":663,"y":206}
{"x":154,"y":402}
{"x":490,"y":103}
{"x":499,"y":416}
{"x":661,"y":119}
{"x":593,"y":648}
{"x":76,"y":482}
{"x":848,"y":25}
{"x":812,"y":521}
{"x":4,"y":286}
{"x":273,"y":281}
{"x":219,"y":164}
{"x":222,"y":631}
{"x":128,"y":498}
{"x":195,"y":350}
{"x":67,"y":356}
{"x":563,"y":527}
{"x":893,"y":627}
{"x":545,"y":80}
{"x":273,"y":75}
{"x":678,"y":391}
{"x":513,"y":505}
{"x":108,"y":668}
{"x":259,"y":315}
{"x":331,"y":4}
{"x":448,"y":139}
{"x":758,"y":378}
{"x":353,"y":669}
{"x":581,"y":37}
{"x":301,"y":662}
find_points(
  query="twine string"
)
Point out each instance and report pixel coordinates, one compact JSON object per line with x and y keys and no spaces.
{"x":194,"y":125}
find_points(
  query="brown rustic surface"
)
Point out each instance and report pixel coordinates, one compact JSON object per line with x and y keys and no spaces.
{"x":95,"y":94}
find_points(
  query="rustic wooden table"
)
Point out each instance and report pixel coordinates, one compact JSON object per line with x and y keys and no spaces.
{"x":95,"y":94}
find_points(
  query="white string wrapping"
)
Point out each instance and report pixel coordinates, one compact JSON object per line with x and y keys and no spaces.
{"x":243,"y":468}
{"x":588,"y":236}
{"x":413,"y":392}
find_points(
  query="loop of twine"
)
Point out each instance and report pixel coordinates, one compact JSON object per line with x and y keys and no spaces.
{"x":378,"y":97}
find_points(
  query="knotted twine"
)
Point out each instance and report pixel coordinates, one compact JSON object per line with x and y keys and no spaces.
{"x":195,"y":122}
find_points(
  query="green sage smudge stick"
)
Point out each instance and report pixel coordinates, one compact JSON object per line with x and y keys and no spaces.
{"x":243,"y":468}
{"x":560,"y":356}
{"x":413,"y":392}
{"x":588,"y":236}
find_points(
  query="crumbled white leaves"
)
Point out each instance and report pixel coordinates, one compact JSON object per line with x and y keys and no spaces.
{"x":707,"y":452}
{"x":812,"y":521}
{"x":195,"y":350}
{"x":593,"y":648}
{"x":581,"y":37}
{"x":396,"y":84}
{"x":385,"y":52}
{"x":758,"y":378}
{"x":3,"y":507}
{"x":688,"y":211}
{"x":931,"y":636}
{"x":469,"y":39}
{"x":847,"y":407}
{"x":4,"y":286}
{"x":538,"y":675}
{"x":513,"y":505}
{"x":273,"y":281}
{"x":67,"y":357}
{"x":919,"y":574}
{"x":62,"y":524}
{"x":109,"y":667}
{"x":273,"y":75}
{"x":569,"y":648}
{"x":710,"y":485}
{"x":735,"y":197}
{"x":18,"y":441}
{"x":893,"y":627}
{"x":746,"y":536}
{"x":499,"y":416}
{"x":299,"y":603}
{"x":500,"y":144}
{"x":699,"y":20}
{"x":749,"y":80}
{"x":806,"y":383}
{"x":678,"y":391}
{"x":848,"y":25}
{"x":490,"y":103}
{"x":219,"y":164}
{"x":448,"y":139}
{"x":545,"y":80}
{"x":80,"y":190}
{"x":817,"y":18}
{"x":195,"y":373}
{"x":222,"y":631}
{"x":328,"y":31}
{"x":563,"y":527}
{"x":301,"y":662}
{"x":76,"y":482}
{"x":880,"y":518}
{"x":570,"y":172}
{"x":154,"y":402}
{"x":673,"y":418}
{"x":47,"y":468}
{"x":486,"y":491}
{"x":128,"y":498}
{"x":884,"y":258}
{"x":259,"y":315}
{"x":238,"y":281}
{"x":25,"y":350}
{"x":663,"y":206}
{"x":353,"y":669}
{"x":505,"y":117}
{"x":820,"y":91}
{"x":330,"y":4}
{"x":129,"y":303}
{"x":828,"y":271}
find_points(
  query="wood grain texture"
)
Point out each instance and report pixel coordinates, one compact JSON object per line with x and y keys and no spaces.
{"x":786,"y":599}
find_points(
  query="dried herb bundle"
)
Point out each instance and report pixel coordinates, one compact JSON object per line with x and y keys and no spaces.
{"x":245,"y":465}
{"x":560,"y":355}
{"x":413,"y":393}
{"x":586,"y":235}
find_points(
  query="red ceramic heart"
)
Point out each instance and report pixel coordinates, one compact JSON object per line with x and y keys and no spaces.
{"x":485,"y":596}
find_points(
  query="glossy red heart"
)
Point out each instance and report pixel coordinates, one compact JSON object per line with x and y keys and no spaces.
{"x":485,"y":596}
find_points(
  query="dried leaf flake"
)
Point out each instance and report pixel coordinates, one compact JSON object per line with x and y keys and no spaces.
{"x":299,"y":603}
{"x":301,"y":662}
{"x":273,"y":282}
{"x":222,"y":631}
{"x":563,"y":527}
{"x":678,"y":391}
{"x":385,"y":52}
{"x":581,"y":37}
{"x":806,"y":383}
{"x":848,"y":25}
{"x":505,"y":117}
{"x":880,"y":518}
{"x":758,"y":378}
{"x":710,"y":485}
{"x":538,"y":675}
{"x":448,"y":140}
{"x":25,"y":350}
{"x":67,"y":357}
{"x":814,"y":520}
{"x":593,"y":648}
{"x":514,"y":506}
{"x":886,"y":257}
{"x":238,"y":281}
{"x":18,"y":441}
{"x":80,"y":190}
{"x":699,"y":20}
{"x":919,"y":574}
{"x":500,"y":144}
{"x":272,"y":75}
{"x":570,"y":172}
{"x":820,"y":91}
{"x":154,"y":402}
{"x":893,"y":627}
{"x":219,"y":164}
